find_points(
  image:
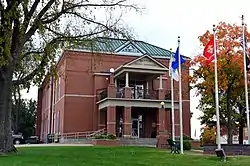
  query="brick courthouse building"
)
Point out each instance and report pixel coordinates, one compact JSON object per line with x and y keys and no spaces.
{"x":113,"y":84}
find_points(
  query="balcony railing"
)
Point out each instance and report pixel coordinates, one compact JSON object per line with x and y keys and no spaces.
{"x":143,"y":94}
{"x":136,"y":93}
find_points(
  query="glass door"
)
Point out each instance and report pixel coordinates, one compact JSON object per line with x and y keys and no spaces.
{"x":135,"y":128}
{"x":139,"y":91}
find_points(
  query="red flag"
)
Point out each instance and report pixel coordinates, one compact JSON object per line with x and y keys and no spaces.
{"x":209,"y":51}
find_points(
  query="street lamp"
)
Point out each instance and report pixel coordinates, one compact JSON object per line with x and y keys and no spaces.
{"x":112,"y":70}
{"x":162,"y":104}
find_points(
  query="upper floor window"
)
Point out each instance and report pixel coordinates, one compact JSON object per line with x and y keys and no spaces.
{"x":58,"y":88}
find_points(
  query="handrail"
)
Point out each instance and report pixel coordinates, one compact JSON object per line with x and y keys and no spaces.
{"x":77,"y":135}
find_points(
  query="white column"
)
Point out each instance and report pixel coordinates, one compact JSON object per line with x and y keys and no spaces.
{"x":160,"y":87}
{"x":115,"y":82}
{"x":127,"y":80}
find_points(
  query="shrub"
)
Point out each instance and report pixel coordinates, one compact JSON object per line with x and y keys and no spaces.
{"x":185,"y":137}
{"x":111,"y":136}
{"x":186,"y":145}
{"x":208,"y":136}
{"x":99,"y":137}
{"x":103,"y":136}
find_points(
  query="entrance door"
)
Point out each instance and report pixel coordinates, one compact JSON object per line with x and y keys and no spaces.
{"x":137,"y":127}
{"x":139,"y":91}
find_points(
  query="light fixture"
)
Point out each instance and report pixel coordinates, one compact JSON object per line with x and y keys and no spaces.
{"x":111,"y":70}
{"x":162,"y":104}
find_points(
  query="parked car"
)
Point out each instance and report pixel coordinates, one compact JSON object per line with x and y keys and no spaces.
{"x":18,"y":139}
{"x":32,"y":140}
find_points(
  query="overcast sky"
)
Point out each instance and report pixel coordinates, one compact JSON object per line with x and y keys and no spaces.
{"x":164,"y":20}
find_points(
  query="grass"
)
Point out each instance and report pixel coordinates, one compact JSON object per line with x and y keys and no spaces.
{"x":115,"y":156}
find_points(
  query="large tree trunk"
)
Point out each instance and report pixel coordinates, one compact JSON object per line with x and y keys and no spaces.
{"x":2,"y":117}
{"x":230,"y":136}
{"x":241,"y":131}
{"x":6,"y":139}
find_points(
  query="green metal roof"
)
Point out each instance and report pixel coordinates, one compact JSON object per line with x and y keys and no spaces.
{"x":113,"y":45}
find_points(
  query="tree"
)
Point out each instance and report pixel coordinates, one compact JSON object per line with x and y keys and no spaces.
{"x":26,"y":117}
{"x":33,"y":31}
{"x":208,"y":135}
{"x":230,"y":78}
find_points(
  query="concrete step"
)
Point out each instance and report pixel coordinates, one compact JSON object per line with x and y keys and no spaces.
{"x":138,"y":141}
{"x":122,"y":141}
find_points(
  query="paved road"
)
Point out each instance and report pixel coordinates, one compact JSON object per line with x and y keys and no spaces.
{"x":44,"y":145}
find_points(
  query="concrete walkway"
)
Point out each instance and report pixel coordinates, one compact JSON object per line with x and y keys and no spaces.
{"x":50,"y":145}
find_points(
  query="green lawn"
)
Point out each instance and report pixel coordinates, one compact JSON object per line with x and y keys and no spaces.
{"x":116,"y":156}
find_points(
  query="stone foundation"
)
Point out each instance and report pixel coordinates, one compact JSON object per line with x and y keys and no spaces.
{"x":105,"y":142}
{"x":234,"y":149}
{"x":195,"y":144}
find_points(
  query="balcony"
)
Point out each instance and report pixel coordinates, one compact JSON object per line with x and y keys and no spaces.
{"x":134,"y":98}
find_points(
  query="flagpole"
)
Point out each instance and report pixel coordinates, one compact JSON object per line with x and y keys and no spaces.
{"x":245,"y":78}
{"x":180,"y":98}
{"x":172,"y":101}
{"x":216,"y":92}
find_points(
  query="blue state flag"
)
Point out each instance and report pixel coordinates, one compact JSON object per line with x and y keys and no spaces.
{"x":173,"y":72}
{"x":175,"y":62}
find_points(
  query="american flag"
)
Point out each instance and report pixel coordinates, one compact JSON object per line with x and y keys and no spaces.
{"x":246,"y":52}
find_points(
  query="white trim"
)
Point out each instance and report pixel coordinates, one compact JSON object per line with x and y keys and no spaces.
{"x":74,"y":95}
{"x":79,"y":95}
{"x":146,"y":56}
{"x":129,"y":53}
{"x":122,"y":46}
{"x":134,"y":103}
{"x":186,"y":100}
{"x":102,"y":74}
{"x":163,"y":78}
{"x":149,"y":71}
{"x":139,"y":48}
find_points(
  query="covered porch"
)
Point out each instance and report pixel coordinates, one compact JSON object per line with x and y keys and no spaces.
{"x":135,"y":122}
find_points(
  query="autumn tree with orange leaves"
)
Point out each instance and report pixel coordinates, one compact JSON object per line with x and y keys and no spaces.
{"x":230,"y":79}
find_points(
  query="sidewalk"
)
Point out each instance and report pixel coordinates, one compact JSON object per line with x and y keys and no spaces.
{"x":49,"y":145}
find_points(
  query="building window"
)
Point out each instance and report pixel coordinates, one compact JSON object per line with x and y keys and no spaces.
{"x":54,"y":123}
{"x":130,"y":48}
{"x":42,"y":130}
{"x":48,"y":98}
{"x":58,"y":88}
{"x":58,"y":123}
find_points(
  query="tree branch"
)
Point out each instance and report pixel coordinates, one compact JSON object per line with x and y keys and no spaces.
{"x":43,"y":62}
{"x":28,"y":15}
{"x":55,"y":16}
{"x":36,"y":23}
